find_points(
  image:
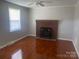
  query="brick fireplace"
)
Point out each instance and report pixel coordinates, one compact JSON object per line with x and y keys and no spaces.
{"x":47,"y":29}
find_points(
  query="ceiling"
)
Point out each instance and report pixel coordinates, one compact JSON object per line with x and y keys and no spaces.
{"x":26,"y":3}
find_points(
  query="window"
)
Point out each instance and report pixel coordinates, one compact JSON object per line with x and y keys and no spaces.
{"x":14,"y":17}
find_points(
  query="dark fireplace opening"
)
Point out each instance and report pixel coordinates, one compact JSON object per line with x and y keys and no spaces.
{"x":46,"y":32}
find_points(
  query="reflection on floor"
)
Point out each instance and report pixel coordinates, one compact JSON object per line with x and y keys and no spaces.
{"x":36,"y":48}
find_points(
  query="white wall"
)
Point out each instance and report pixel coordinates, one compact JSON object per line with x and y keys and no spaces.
{"x":76,"y":28}
{"x":5,"y":35}
{"x":63,"y":14}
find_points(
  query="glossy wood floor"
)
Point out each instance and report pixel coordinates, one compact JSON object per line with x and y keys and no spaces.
{"x":36,"y":48}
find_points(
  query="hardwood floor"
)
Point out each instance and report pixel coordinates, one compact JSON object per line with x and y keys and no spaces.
{"x":36,"y":48}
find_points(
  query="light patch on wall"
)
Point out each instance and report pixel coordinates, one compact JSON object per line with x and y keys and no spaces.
{"x":17,"y":55}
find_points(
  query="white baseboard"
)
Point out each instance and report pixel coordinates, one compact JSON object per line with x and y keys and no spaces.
{"x":32,"y":35}
{"x":12,"y":42}
{"x":65,"y":39}
{"x":76,"y":49}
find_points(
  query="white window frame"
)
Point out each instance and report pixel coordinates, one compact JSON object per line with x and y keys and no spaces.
{"x":15,"y":24}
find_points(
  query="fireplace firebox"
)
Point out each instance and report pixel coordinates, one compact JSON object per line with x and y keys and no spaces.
{"x":46,"y":32}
